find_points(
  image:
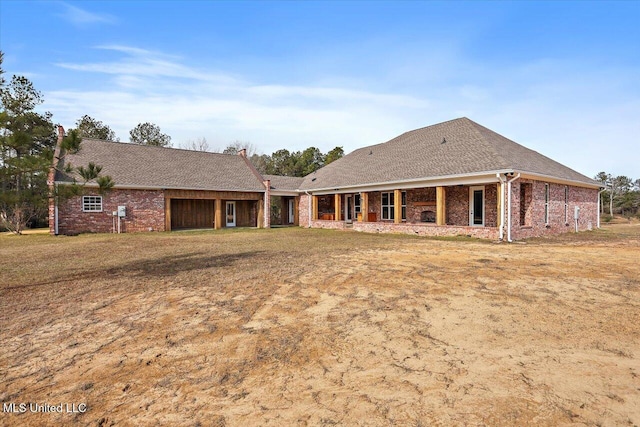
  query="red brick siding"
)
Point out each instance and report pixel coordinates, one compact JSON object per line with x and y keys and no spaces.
{"x":426,"y":229}
{"x":304,"y":206}
{"x":491,"y":205}
{"x":585,"y":198}
{"x":457,"y":205}
{"x":375,"y":205}
{"x":334,"y":225}
{"x":414,"y":213}
{"x":145,"y":212}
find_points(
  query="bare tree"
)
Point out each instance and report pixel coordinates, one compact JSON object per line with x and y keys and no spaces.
{"x":236,"y":146}
{"x":199,"y":144}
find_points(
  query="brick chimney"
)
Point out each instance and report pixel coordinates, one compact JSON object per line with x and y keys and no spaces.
{"x":243,"y":153}
{"x":51,"y":177}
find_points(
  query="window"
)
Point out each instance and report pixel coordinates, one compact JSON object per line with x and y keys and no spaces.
{"x":356,"y":203}
{"x":546,"y":204}
{"x":566,"y":204}
{"x":91,"y":203}
{"x":404,"y":205}
{"x":387,"y":206}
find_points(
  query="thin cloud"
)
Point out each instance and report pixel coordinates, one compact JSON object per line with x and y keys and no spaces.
{"x":535,"y":108}
{"x":81,"y":17}
{"x":144,"y":63}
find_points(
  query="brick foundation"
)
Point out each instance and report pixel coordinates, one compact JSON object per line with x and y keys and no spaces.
{"x":427,"y":229}
{"x":333,"y":225}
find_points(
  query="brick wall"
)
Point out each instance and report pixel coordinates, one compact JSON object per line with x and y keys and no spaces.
{"x":458,"y":205}
{"x":145,"y":212}
{"x":414,"y":213}
{"x":491,"y":205}
{"x":457,"y":201}
{"x":334,"y":225}
{"x":585,"y":198}
{"x":426,"y":229}
{"x":304,"y":206}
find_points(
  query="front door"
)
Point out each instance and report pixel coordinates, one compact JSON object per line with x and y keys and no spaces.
{"x":348,"y":209}
{"x":476,"y":206}
{"x":231,"y":214}
{"x":291,"y":218}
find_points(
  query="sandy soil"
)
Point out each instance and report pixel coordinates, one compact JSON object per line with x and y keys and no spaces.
{"x":318,"y":327}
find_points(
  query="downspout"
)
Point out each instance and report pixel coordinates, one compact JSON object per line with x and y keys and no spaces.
{"x":310,"y":207}
{"x":599,"y":193}
{"x":267,"y":204}
{"x":55,"y":211}
{"x":509,"y":207}
{"x":502,"y":181}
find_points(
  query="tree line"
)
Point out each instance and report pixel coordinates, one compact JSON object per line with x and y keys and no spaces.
{"x":622,"y":195}
{"x":28,"y":141}
{"x":281,"y":162}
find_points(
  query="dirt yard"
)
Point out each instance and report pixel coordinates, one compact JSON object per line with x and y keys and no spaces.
{"x":312,"y":327}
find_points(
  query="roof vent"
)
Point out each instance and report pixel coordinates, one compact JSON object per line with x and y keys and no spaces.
{"x":370,"y":152}
{"x":444,"y":141}
{"x":313,"y":179}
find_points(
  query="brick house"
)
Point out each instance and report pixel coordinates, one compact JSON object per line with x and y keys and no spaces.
{"x":161,"y":189}
{"x":452,"y":178}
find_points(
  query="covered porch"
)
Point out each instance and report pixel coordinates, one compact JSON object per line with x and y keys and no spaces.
{"x":200,"y":209}
{"x":284,"y":211}
{"x":444,"y":210}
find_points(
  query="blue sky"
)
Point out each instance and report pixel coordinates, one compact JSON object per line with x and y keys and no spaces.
{"x":561,"y":78}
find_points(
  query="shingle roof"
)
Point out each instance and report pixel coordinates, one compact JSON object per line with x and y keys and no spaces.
{"x":284,"y":183}
{"x":133,"y":165}
{"x":455,"y":147}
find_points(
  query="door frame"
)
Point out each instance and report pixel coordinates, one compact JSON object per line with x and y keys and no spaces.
{"x":226,"y":214}
{"x":472,"y":190}
{"x":291,"y":211}
{"x":348,"y":207}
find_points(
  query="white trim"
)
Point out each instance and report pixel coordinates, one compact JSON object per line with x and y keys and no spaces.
{"x":348,"y":214}
{"x":484,"y":179}
{"x":94,"y":203}
{"x":599,"y":193}
{"x":291,"y":211}
{"x":502,"y":203}
{"x":556,"y":180}
{"x":226,"y":214}
{"x":472,"y":190}
{"x":275,"y":192}
{"x":448,"y":180}
{"x":547,"y":202}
